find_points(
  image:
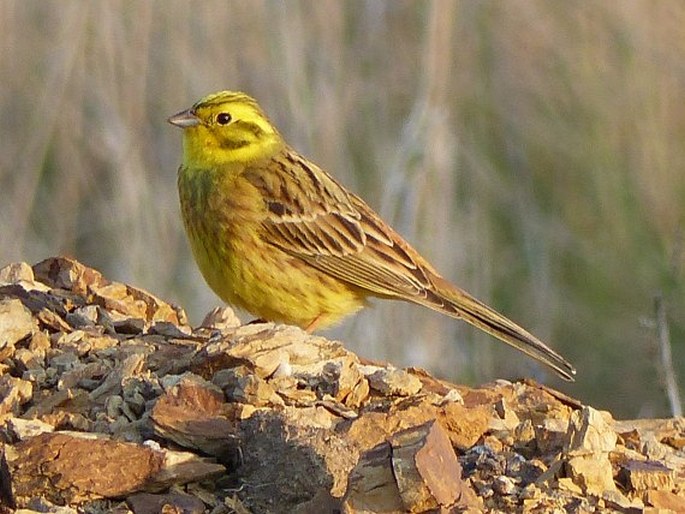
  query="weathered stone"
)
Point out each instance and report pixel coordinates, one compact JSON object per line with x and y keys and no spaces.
{"x":240,"y":385}
{"x":66,"y":273}
{"x":394,"y":382}
{"x":590,"y":431}
{"x":592,"y":472}
{"x":16,"y":272}
{"x":193,"y":414}
{"x":665,"y":500}
{"x":169,"y":503}
{"x":221,"y":318}
{"x":16,"y":323}
{"x":14,"y":392}
{"x":20,"y":429}
{"x":372,"y":486}
{"x":427,"y":471}
{"x":551,"y":435}
{"x":289,"y":414}
{"x":645,"y":475}
{"x":71,"y":467}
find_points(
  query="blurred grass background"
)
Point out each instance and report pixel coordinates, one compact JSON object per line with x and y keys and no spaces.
{"x":532,"y":150}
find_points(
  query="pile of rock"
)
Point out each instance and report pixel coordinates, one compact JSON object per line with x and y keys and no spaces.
{"x":110,"y":402}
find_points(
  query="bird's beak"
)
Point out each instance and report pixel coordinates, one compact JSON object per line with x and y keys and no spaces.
{"x":185,"y":119}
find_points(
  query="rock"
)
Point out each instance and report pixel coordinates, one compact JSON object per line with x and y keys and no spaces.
{"x":193,"y":414}
{"x":102,"y":382}
{"x":20,"y":429}
{"x":415,"y":471}
{"x":644,"y":475}
{"x":592,"y":472}
{"x":241,"y":386}
{"x":504,"y":485}
{"x":551,"y":435}
{"x":665,"y":500}
{"x":16,"y":323}
{"x":394,"y":382}
{"x":147,"y":503}
{"x":590,"y":431}
{"x":222,"y":319}
{"x":16,"y":273}
{"x":66,"y":273}
{"x":508,"y":419}
{"x":372,"y":486}
{"x":71,"y":467}
{"x":14,"y":392}
{"x":427,"y":471}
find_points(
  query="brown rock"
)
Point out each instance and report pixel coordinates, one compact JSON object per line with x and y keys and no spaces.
{"x":358,"y":395}
{"x":506,"y":419}
{"x":169,"y":503}
{"x":70,"y":467}
{"x":415,"y":471}
{"x":66,"y":273}
{"x":53,"y":321}
{"x":551,"y":435}
{"x":465,"y":425}
{"x":49,"y":403}
{"x":665,"y":500}
{"x":372,"y":486}
{"x":504,"y":485}
{"x":295,"y":454}
{"x":592,"y":472}
{"x":129,"y":367}
{"x":115,"y":297}
{"x":157,"y":310}
{"x":19,"y":429}
{"x":590,"y":431}
{"x":290,"y":418}
{"x":340,"y":378}
{"x":242,"y":386}
{"x":427,"y":471}
{"x":15,"y":273}
{"x":322,"y":502}
{"x":221,"y":318}
{"x":394,"y":382}
{"x":193,"y":414}
{"x":645,"y":475}
{"x":675,"y":441}
{"x":14,"y":392}
{"x":16,"y":323}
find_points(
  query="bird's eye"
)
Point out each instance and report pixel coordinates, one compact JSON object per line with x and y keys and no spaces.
{"x":223,"y":118}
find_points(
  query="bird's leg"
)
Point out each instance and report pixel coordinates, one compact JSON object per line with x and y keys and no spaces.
{"x":313,"y":324}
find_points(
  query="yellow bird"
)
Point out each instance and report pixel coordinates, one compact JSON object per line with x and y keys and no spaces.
{"x":276,"y":235}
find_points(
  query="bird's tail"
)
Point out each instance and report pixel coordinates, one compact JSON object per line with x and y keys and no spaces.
{"x":457,"y":303}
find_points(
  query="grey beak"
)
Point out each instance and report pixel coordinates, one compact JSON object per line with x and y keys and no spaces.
{"x":185,"y":119}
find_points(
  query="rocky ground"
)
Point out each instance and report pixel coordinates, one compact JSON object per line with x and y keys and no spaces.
{"x":110,"y":402}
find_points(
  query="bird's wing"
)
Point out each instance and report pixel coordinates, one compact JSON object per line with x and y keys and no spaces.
{"x":312,"y":217}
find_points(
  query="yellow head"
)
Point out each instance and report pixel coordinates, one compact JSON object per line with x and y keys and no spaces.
{"x":226,"y":127}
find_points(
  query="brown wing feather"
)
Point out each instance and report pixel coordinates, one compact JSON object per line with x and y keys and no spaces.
{"x":336,"y":231}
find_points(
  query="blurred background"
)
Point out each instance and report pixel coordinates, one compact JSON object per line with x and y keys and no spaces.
{"x":532,"y":150}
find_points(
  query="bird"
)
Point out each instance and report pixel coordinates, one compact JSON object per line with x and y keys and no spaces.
{"x":276,"y":235}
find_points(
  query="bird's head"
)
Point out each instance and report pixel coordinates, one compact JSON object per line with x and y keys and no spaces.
{"x":226,"y":127}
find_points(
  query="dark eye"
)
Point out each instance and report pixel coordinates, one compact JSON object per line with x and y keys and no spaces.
{"x":223,"y":118}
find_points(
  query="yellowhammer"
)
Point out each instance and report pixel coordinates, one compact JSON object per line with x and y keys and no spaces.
{"x":277,"y":236}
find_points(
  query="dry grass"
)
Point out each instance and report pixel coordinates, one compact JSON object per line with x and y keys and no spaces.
{"x":532,"y":149}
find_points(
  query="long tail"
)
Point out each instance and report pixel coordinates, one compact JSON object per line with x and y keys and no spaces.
{"x":457,"y":303}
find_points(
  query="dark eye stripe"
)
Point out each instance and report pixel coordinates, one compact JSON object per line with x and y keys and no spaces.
{"x":249,"y":126}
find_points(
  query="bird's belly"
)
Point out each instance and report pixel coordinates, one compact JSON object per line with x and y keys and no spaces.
{"x":249,"y":273}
